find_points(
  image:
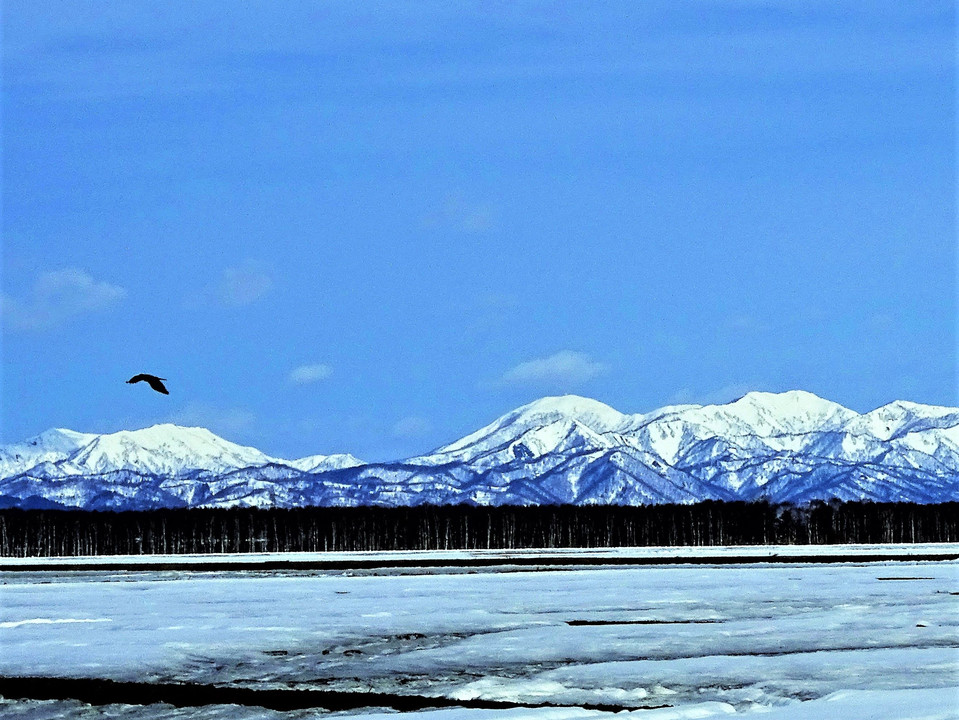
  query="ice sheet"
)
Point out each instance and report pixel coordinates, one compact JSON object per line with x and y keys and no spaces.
{"x":790,"y":640}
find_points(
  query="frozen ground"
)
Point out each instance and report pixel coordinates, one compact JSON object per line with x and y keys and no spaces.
{"x":789,"y":640}
{"x":574,"y":556}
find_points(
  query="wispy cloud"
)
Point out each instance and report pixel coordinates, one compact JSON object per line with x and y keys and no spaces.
{"x":411,"y":427}
{"x":242,"y":285}
{"x":718,"y":396}
{"x":56,"y":297}
{"x":456,"y":213}
{"x":312,"y":373}
{"x":222,"y":421}
{"x":566,"y":367}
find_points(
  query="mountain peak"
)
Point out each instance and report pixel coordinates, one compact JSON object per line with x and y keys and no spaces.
{"x":167,"y":432}
{"x":166,"y":449}
{"x":322,"y":463}
{"x":60,"y":437}
{"x":790,"y":412}
{"x":563,"y":409}
{"x":571,"y":406}
{"x":789,"y":447}
{"x":907,"y":407}
{"x":51,"y":445}
{"x":788,"y":401}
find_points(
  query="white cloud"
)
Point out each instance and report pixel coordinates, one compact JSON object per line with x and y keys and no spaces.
{"x":310,"y":373}
{"x":56,"y":297}
{"x":566,"y":367}
{"x":411,"y":427}
{"x":243,"y":285}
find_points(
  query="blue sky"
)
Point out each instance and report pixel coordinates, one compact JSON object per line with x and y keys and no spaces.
{"x":374,"y":227}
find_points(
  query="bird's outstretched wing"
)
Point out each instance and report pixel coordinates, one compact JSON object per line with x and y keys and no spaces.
{"x":157,"y":384}
{"x":152,"y":380}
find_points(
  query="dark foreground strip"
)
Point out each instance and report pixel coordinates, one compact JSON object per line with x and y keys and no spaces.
{"x":561,"y":562}
{"x":108,"y":692}
{"x":579,"y":623}
{"x":906,"y":578}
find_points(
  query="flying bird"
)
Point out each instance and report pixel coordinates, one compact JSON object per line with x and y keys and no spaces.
{"x":152,"y":380}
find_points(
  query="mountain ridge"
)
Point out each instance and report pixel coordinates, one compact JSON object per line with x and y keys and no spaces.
{"x":784,"y":447}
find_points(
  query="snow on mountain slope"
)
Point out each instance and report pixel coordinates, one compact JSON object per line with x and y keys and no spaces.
{"x":791,"y":446}
{"x":547,"y":423}
{"x":900,"y":418}
{"x":769,"y":414}
{"x":162,"y":450}
{"x":50,"y":446}
{"x":167,"y":450}
{"x":321,"y":463}
{"x":560,"y":424}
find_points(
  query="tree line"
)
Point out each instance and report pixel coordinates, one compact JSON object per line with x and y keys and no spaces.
{"x":34,"y":533}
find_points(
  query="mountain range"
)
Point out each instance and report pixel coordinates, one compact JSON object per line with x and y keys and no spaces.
{"x":783,"y":447}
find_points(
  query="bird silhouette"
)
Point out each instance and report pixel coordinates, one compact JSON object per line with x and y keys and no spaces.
{"x":152,"y":380}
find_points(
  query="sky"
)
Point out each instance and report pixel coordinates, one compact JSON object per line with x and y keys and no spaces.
{"x":375,"y":227}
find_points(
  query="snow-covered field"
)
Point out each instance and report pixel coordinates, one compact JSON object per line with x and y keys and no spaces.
{"x":788,"y":640}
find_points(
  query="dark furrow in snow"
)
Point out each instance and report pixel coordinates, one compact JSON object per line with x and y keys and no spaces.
{"x":109,"y":692}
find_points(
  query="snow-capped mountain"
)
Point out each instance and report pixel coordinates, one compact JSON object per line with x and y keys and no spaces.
{"x":791,"y":446}
{"x":51,"y":446}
